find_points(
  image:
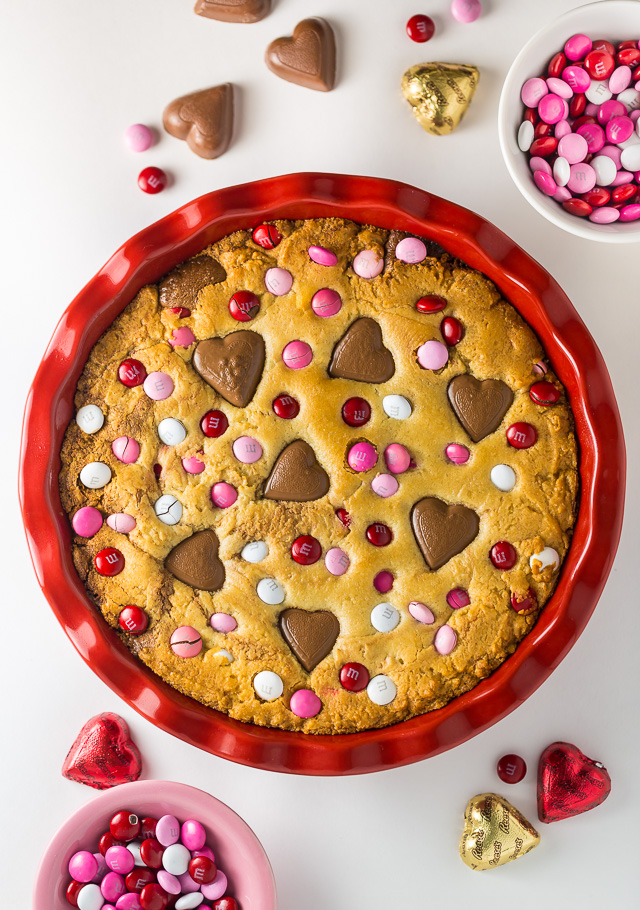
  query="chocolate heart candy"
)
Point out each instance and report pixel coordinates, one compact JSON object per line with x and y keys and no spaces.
{"x":232,"y":365}
{"x":478,"y":404}
{"x":495,"y":833}
{"x":103,"y":754}
{"x":308,"y":58}
{"x":195,"y":561}
{"x":569,"y":783}
{"x":182,"y":286}
{"x":204,"y":119}
{"x":233,"y":10}
{"x":361,"y":355}
{"x":296,"y":476}
{"x":442,"y":530}
{"x":440,"y":94}
{"x":311,"y":636}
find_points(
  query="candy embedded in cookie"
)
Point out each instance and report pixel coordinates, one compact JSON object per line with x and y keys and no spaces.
{"x":204,"y":119}
{"x":182,"y":286}
{"x":442,"y":530}
{"x":195,"y":561}
{"x":310,"y":635}
{"x":478,"y":404}
{"x":232,"y":365}
{"x":361,"y":355}
{"x":296,"y":476}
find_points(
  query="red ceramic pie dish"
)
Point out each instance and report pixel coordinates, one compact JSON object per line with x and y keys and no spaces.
{"x":569,"y":346}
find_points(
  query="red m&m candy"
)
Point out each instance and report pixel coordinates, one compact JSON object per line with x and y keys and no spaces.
{"x":577,"y":207}
{"x":526,"y":604}
{"x":152,"y":180}
{"x":180,"y":311}
{"x":511,"y":768}
{"x":556,"y":65}
{"x":451,"y":329}
{"x":138,"y":878}
{"x":148,"y":827}
{"x":544,"y":393}
{"x":125,"y":825}
{"x":109,"y":562}
{"x":108,"y":840}
{"x":244,"y":306}
{"x":306,"y":550}
{"x":344,"y":517}
{"x":420,"y":28}
{"x":431,"y":304}
{"x":214,"y":424}
{"x":267,"y":236}
{"x":383,"y":581}
{"x":131,"y":373}
{"x":286,"y":407}
{"x":151,"y":851}
{"x":379,"y":535}
{"x":202,"y":870}
{"x":356,"y":412}
{"x":153,"y":897}
{"x":225,"y":903}
{"x":354,"y":677}
{"x":72,"y":892}
{"x":133,"y":620}
{"x":521,"y":435}
{"x":599,"y":65}
{"x":503,"y":555}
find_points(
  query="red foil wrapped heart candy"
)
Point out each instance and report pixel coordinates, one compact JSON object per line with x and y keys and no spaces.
{"x":569,"y":783}
{"x":103,"y":754}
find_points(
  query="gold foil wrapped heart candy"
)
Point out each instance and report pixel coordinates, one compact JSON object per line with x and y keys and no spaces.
{"x":494,"y":833}
{"x":440,"y":94}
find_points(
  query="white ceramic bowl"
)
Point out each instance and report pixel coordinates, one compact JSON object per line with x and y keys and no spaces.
{"x":613,"y":20}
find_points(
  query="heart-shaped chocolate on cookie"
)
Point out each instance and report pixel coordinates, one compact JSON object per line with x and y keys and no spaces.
{"x":296,"y":476}
{"x":233,"y":10}
{"x":494,"y":833}
{"x":308,"y":58}
{"x":361,"y":355}
{"x":195,"y":561}
{"x":442,"y":530}
{"x":311,"y":636}
{"x":232,"y":365}
{"x":204,"y":119}
{"x":182,"y":286}
{"x":479,"y":404}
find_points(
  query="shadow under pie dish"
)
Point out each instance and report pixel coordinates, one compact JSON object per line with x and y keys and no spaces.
{"x":444,"y":521}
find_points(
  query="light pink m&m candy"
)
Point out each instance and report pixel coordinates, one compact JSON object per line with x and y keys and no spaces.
{"x":456,"y":453}
{"x":322,"y":256}
{"x":158,"y":386}
{"x":138,"y":137}
{"x":121,"y":522}
{"x":397,"y":458}
{"x":433,"y":355}
{"x":559,"y":87}
{"x":169,"y":882}
{"x":278,"y":281}
{"x":620,"y":79}
{"x":185,"y":642}
{"x":223,"y":494}
{"x":606,"y":214}
{"x":336,"y":561}
{"x":582,"y":179}
{"x":182,"y":337}
{"x":367,"y":264}
{"x":216,"y":888}
{"x":421,"y":612}
{"x":445,"y":640}
{"x":385,"y":485}
{"x":297,"y":355}
{"x":193,"y":464}
{"x":222,"y":622}
{"x":466,"y":10}
{"x":533,"y":90}
{"x":247,"y":449}
{"x":411,"y":249}
{"x":126,"y":449}
{"x":326,"y":302}
{"x":87,"y":521}
{"x":536,"y":163}
{"x":362,"y":456}
{"x":573,"y":148}
{"x":305,"y":703}
{"x":193,"y":835}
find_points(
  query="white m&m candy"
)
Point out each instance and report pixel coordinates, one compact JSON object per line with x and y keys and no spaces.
{"x":168,"y":509}
{"x":255,"y":551}
{"x":90,"y":418}
{"x":396,"y":406}
{"x":381,"y":690}
{"x":270,"y":591}
{"x":384,"y":617}
{"x":503,"y":477}
{"x":268,"y":685}
{"x":171,"y":431}
{"x":546,"y":557}
{"x":95,"y":475}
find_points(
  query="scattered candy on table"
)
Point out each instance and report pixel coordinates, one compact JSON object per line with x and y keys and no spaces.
{"x":138,"y":137}
{"x":420,"y":28}
{"x":204,"y":119}
{"x":440,"y":94}
{"x":494,"y":833}
{"x":569,"y":782}
{"x":308,"y":57}
{"x":152,"y":180}
{"x":511,"y":768}
{"x":466,"y":10}
{"x":103,"y":754}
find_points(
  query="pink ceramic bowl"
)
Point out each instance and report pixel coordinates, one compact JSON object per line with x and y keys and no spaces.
{"x":238,"y":851}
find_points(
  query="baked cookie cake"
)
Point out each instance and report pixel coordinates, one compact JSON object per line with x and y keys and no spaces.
{"x":320,"y":476}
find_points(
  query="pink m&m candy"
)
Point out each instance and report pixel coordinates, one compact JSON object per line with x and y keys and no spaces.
{"x":620,"y":79}
{"x":278,"y":281}
{"x":458,"y":598}
{"x":83,"y":866}
{"x":630,"y":212}
{"x":456,"y":453}
{"x":336,"y":561}
{"x":121,"y":522}
{"x":87,"y":521}
{"x":411,"y":249}
{"x":573,"y":148}
{"x":216,"y":888}
{"x":606,"y":214}
{"x":222,"y":622}
{"x":433,"y":355}
{"x":112,"y":886}
{"x":193,"y":464}
{"x":367,"y":264}
{"x":578,"y":46}
{"x":362,"y":456}
{"x":385,"y":485}
{"x":158,"y":386}
{"x":608,"y":110}
{"x":126,"y":449}
{"x":182,"y":337}
{"x":223,"y":494}
{"x":577,"y":79}
{"x":559,"y":87}
{"x":445,"y":640}
{"x":297,"y":355}
{"x":322,"y":256}
{"x":594,"y":134}
{"x":119,"y":859}
{"x":185,"y":642}
{"x":383,"y":581}
{"x":533,"y":90}
{"x":545,"y":183}
{"x":619,"y":129}
{"x":551,"y":108}
{"x":421,"y":612}
{"x":397,"y":458}
{"x":193,"y":835}
{"x":247,"y":449}
{"x":138,"y":137}
{"x":466,"y":10}
{"x":582,"y":179}
{"x":326,"y":302}
{"x":305,"y":703}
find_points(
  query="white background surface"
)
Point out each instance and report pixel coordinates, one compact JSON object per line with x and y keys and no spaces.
{"x":74,"y":75}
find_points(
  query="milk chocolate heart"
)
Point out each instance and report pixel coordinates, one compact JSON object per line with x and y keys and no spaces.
{"x":233,"y":10}
{"x":569,"y":783}
{"x":440,"y":94}
{"x":442,"y":530}
{"x":232,"y":365}
{"x":182,"y":286}
{"x":495,"y":833}
{"x":204,"y":119}
{"x":195,"y":561}
{"x":296,"y":476}
{"x":311,"y":636}
{"x":308,"y":58}
{"x":103,"y":754}
{"x":361,"y":355}
{"x":478,"y":404}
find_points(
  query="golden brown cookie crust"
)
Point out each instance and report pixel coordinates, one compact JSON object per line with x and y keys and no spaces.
{"x":539,"y":512}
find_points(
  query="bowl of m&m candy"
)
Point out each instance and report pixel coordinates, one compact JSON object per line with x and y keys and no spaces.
{"x":154,"y":845}
{"x":569,"y":121}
